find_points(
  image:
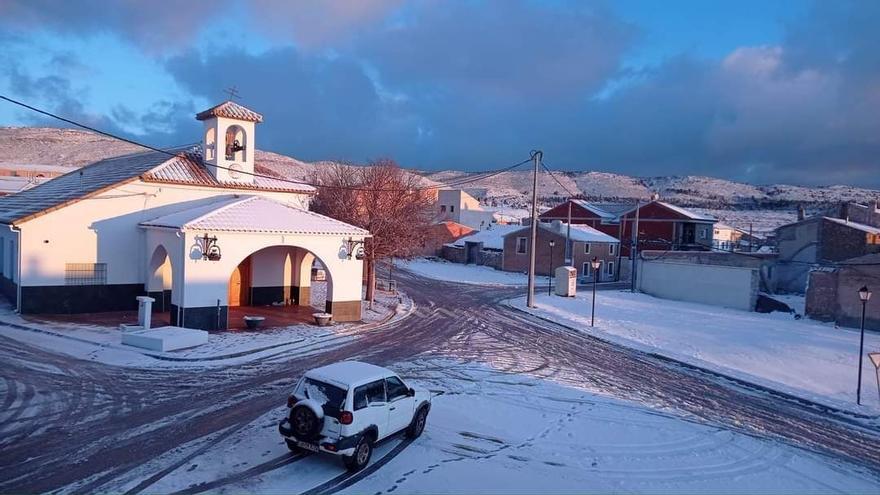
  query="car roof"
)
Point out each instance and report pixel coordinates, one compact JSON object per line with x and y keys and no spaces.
{"x":349,"y":373}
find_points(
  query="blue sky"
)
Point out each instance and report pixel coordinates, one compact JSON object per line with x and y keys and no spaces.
{"x":772,"y":91}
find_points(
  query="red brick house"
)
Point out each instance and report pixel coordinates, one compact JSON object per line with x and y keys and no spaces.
{"x":586,"y":243}
{"x":662,"y":226}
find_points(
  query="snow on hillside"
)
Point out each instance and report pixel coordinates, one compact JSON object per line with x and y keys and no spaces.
{"x":726,"y":199}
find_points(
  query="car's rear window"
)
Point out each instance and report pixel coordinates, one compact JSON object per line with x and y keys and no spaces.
{"x":323,"y":393}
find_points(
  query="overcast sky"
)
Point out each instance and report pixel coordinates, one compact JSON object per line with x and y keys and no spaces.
{"x":758,"y":91}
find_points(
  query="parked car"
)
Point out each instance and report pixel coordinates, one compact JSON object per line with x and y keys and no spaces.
{"x":344,"y":408}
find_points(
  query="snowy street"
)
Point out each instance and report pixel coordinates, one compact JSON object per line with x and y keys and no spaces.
{"x":515,"y":391}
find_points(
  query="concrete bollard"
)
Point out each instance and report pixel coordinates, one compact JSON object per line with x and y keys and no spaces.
{"x":145,"y":308}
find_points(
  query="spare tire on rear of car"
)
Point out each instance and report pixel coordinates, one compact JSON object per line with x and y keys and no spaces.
{"x":307,"y":420}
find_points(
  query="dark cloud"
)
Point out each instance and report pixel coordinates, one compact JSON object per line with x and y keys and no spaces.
{"x":315,"y":107}
{"x":152,"y":25}
{"x":478,"y":84}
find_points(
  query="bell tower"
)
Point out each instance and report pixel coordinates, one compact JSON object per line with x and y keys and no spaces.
{"x":228,"y":142}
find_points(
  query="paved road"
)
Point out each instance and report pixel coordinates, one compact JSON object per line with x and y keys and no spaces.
{"x":65,"y":421}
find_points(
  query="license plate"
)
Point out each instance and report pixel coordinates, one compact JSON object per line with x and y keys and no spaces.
{"x":308,"y":446}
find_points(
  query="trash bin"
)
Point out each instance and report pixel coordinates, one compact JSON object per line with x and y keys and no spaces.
{"x":566,"y":281}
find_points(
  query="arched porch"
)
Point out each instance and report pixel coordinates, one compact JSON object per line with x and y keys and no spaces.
{"x":262,"y":266}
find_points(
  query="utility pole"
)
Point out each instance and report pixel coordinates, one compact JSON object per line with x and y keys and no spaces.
{"x":634,"y":252}
{"x":569,"y":256}
{"x":533,"y":238}
{"x":750,"y":237}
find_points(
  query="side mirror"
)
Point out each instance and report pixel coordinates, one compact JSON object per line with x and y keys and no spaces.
{"x":411,"y":392}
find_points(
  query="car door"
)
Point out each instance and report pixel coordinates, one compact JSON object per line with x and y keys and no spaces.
{"x":371,"y":407}
{"x":401,"y":405}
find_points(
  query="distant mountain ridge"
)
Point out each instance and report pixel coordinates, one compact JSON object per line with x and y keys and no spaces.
{"x":75,"y":148}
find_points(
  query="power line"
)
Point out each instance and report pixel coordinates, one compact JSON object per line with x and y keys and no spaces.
{"x":570,"y":194}
{"x":453,"y":184}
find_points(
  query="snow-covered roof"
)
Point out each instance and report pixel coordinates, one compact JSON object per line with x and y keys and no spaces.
{"x":253,"y":214}
{"x":230,"y":110}
{"x":608,"y":211}
{"x":492,"y":238}
{"x":579,"y":232}
{"x":184,"y":166}
{"x":348,"y":373}
{"x":859,"y":226}
{"x":688,"y":213}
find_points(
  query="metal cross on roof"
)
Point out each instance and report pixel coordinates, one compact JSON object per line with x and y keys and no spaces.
{"x":232,"y":91}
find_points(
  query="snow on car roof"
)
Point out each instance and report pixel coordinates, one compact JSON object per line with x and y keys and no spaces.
{"x":348,"y":373}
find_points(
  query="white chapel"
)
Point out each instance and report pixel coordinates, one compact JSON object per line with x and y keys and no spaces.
{"x":199,"y":229}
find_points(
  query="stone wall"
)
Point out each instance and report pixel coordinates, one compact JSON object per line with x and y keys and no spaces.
{"x":454,"y":254}
{"x":821,"y":302}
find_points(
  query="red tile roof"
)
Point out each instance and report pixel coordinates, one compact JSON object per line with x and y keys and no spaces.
{"x":230,"y":110}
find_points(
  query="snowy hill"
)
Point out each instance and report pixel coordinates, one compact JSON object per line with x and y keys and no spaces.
{"x":732,"y":202}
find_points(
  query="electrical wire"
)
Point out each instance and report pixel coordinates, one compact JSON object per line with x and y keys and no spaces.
{"x":470,"y":179}
{"x":563,"y":186}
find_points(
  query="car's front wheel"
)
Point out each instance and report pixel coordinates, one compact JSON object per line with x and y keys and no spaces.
{"x":418,"y":423}
{"x":361,"y":457}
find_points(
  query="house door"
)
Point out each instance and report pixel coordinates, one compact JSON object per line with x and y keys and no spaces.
{"x":240,"y":284}
{"x":689,"y":233}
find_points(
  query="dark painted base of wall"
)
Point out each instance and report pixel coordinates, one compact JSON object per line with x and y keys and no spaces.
{"x":204,"y":318}
{"x":70,"y":299}
{"x":9,"y":289}
{"x":344,"y":310}
{"x":163,"y":301}
{"x":302,"y":296}
{"x":286,"y":294}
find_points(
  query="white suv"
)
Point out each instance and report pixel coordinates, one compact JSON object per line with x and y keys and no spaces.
{"x":345,"y":408}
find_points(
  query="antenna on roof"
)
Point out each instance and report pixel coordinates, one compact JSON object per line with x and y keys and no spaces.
{"x":232,"y":91}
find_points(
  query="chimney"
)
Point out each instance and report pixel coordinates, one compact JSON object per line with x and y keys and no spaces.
{"x":877,"y":205}
{"x":655,"y":197}
{"x":801,"y":213}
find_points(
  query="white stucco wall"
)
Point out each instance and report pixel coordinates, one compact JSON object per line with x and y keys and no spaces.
{"x":104,"y":229}
{"x":207,"y":281}
{"x":731,"y":287}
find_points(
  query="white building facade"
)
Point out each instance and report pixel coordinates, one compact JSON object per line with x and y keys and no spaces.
{"x":199,"y":235}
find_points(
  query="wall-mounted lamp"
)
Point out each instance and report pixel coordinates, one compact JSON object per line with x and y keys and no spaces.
{"x":210,"y":249}
{"x":354,"y":247}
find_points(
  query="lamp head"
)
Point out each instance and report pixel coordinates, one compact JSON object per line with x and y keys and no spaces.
{"x":595,"y":263}
{"x":865,"y":293}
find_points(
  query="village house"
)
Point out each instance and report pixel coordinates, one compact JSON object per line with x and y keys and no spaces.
{"x":442,"y":233}
{"x":460,"y":207}
{"x":479,"y":248}
{"x":832,"y":293}
{"x":662,"y":225}
{"x":728,"y":238}
{"x":201,"y":229}
{"x":586,"y":243}
{"x":821,"y":240}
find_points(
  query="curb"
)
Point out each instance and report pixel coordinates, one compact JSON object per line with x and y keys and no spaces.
{"x":356,"y":329}
{"x":845,"y":415}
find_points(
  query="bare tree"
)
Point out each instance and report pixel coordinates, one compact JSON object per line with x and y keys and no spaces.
{"x":382,"y":198}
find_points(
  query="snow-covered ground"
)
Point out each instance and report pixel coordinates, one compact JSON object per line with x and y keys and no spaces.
{"x":103,"y":344}
{"x":467,"y":274}
{"x":494,"y":432}
{"x":813,"y":360}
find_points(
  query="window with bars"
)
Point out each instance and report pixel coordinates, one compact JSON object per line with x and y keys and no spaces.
{"x":85,"y":273}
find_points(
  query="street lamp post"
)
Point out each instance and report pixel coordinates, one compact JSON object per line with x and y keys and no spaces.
{"x":550,"y":287}
{"x":864,"y":296}
{"x":595,"y":265}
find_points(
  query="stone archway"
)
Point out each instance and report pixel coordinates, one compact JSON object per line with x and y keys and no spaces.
{"x":280,"y":275}
{"x":159,"y":284}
